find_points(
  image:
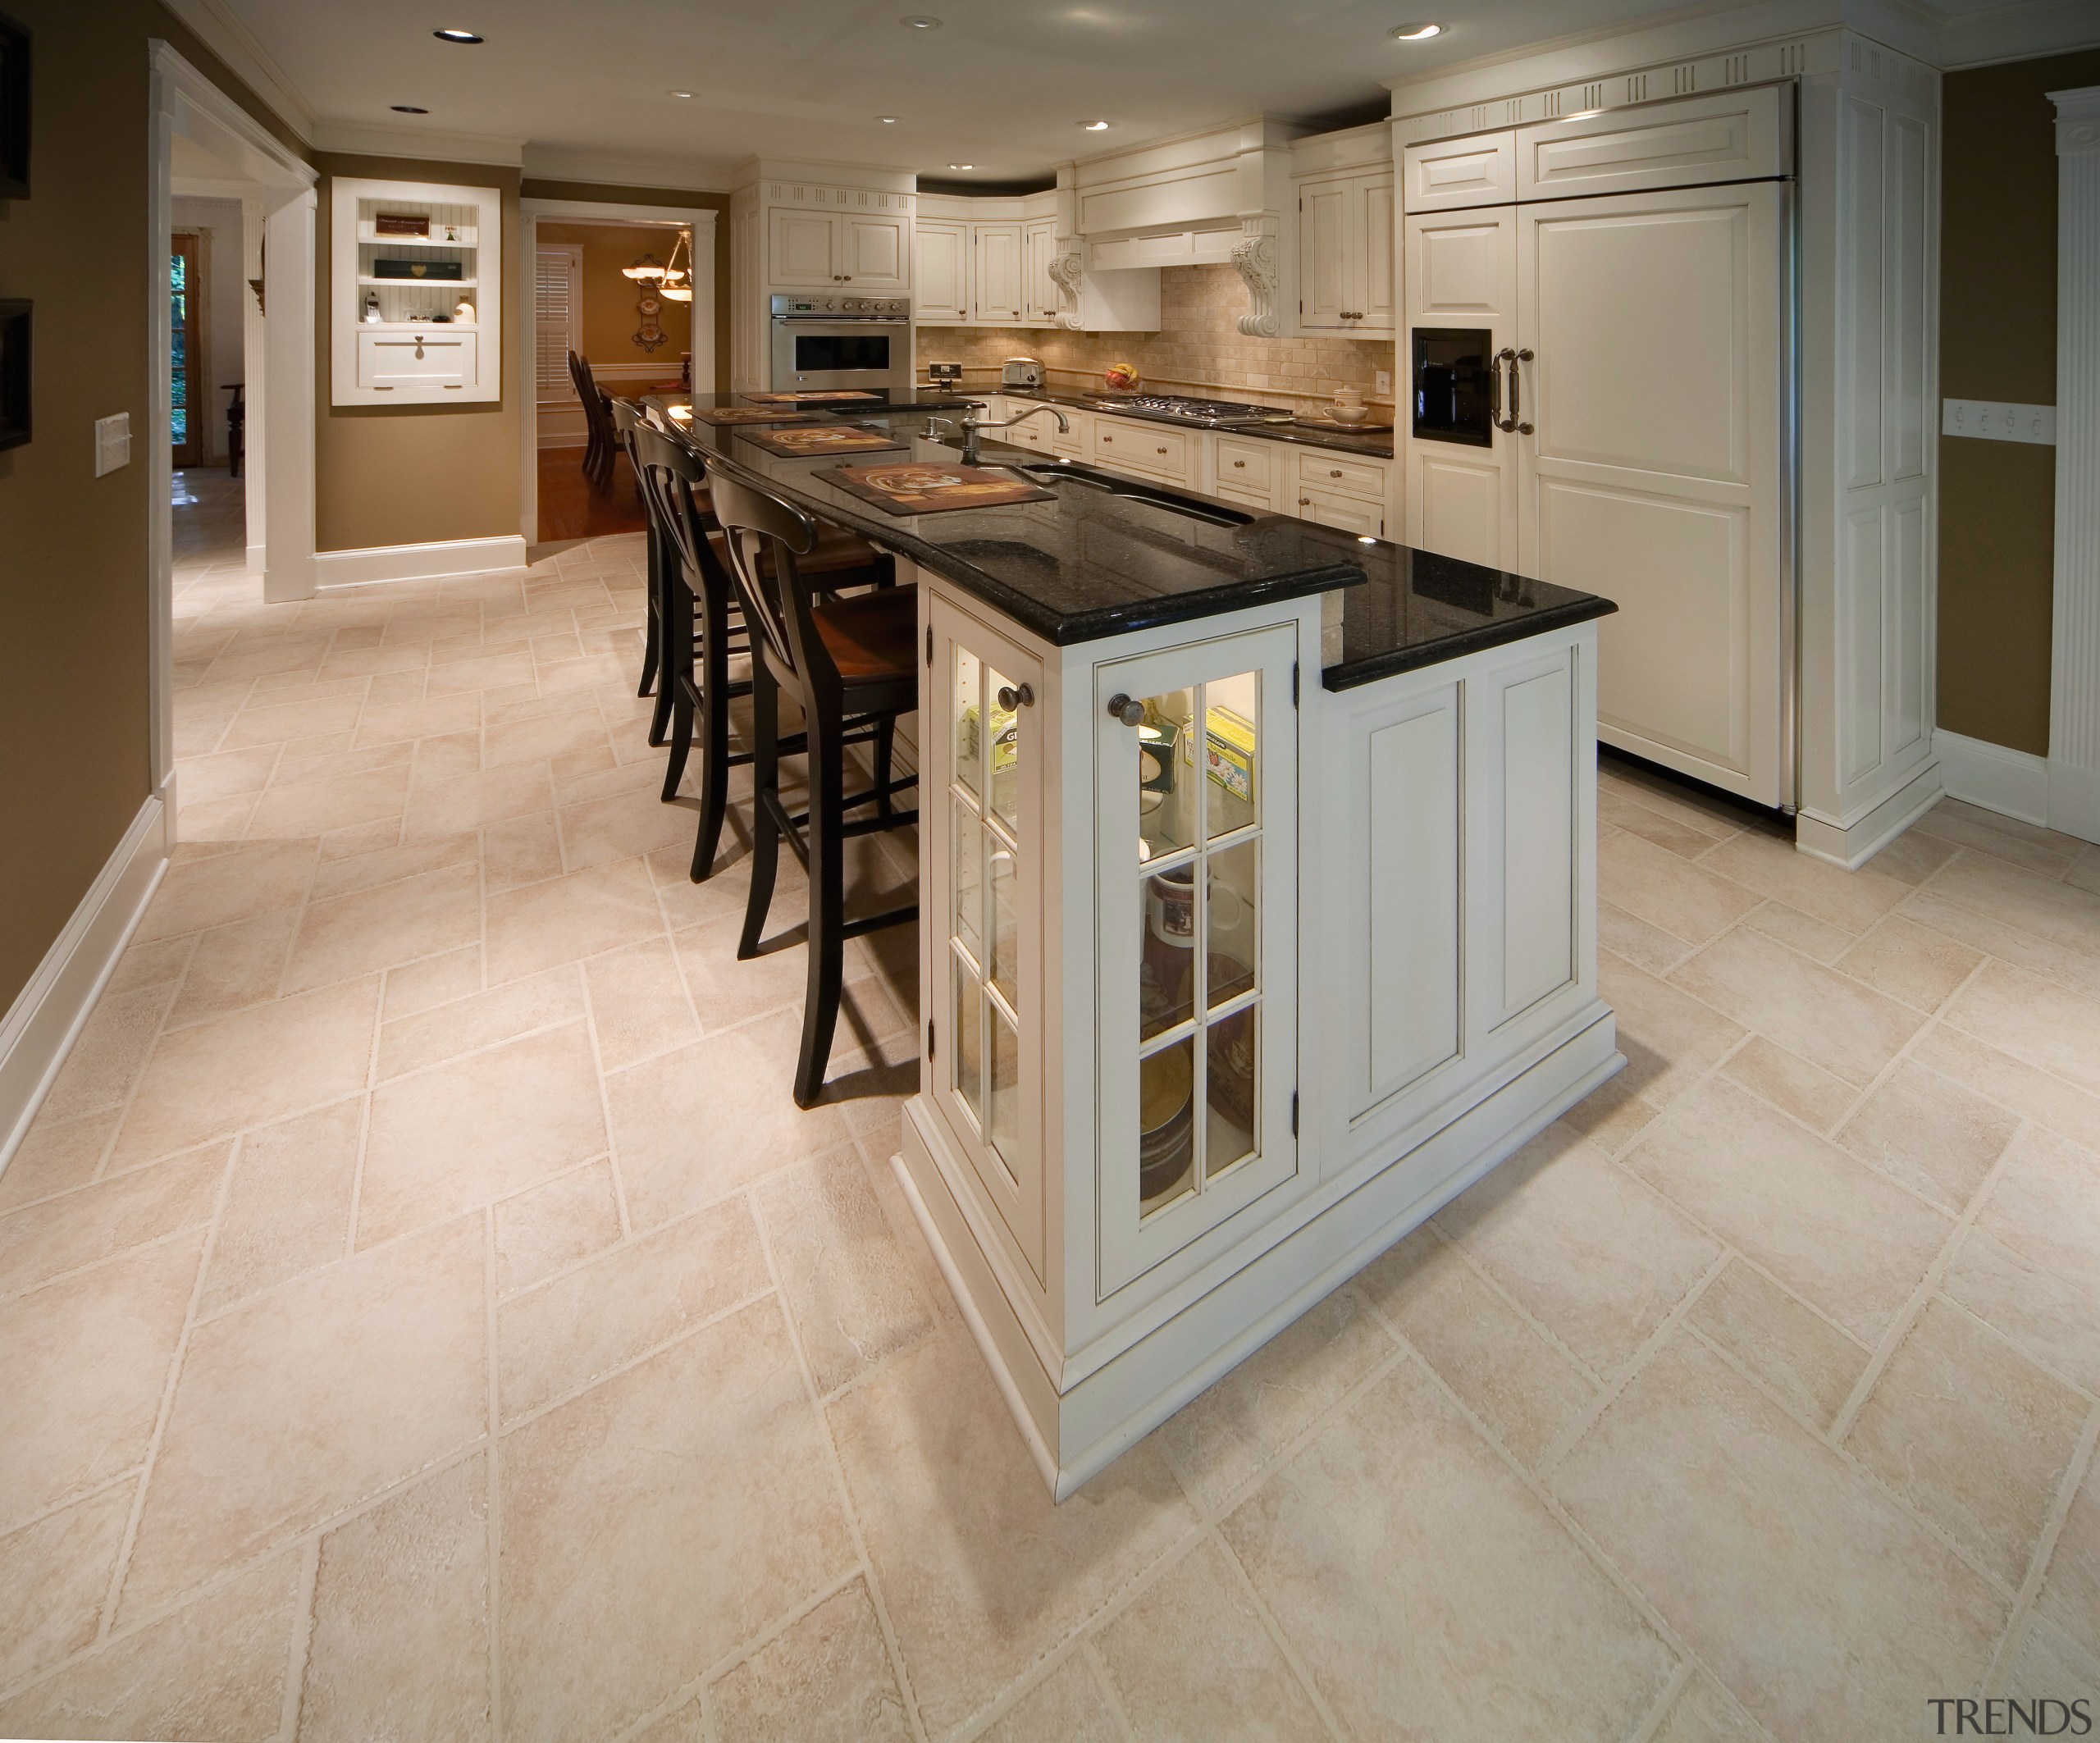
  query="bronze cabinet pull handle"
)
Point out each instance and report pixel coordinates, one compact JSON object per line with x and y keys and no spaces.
{"x":1013,"y":697}
{"x":1128,"y":709}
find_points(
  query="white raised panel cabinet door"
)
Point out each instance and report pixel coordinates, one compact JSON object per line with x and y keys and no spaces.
{"x":942,"y":293}
{"x":802,"y":249}
{"x":1448,"y":175}
{"x":1653,"y":474}
{"x":1196,"y":941}
{"x":997,"y":301}
{"x":1349,"y":513}
{"x":874,"y":252}
{"x":1323,"y":254}
{"x":1038,"y":290}
{"x":1461,"y":273}
{"x":1371,"y":197}
{"x":983,"y":927}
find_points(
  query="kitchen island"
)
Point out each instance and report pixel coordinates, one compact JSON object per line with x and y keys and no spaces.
{"x":1258,"y":900}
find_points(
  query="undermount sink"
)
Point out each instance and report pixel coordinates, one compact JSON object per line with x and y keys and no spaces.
{"x":1112,"y":484}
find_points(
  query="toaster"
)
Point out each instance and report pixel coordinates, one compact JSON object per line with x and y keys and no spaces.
{"x":1021,"y":371}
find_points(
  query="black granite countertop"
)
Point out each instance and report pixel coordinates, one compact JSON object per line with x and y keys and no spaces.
{"x":1080,"y":566}
{"x":1089,"y":564}
{"x":1377,"y":447}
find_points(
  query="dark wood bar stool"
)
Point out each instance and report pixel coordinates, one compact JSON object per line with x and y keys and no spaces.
{"x":628,"y":416}
{"x":703,"y":625}
{"x":850,"y":663}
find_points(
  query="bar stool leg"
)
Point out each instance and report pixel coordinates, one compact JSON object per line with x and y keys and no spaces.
{"x":678,"y":685}
{"x":653,"y":625}
{"x":713,"y":732}
{"x":827,"y":945}
{"x":885,"y":760}
{"x":765,"y":799}
{"x":664,"y":574}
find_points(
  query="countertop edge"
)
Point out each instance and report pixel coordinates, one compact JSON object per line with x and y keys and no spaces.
{"x":1354,"y":674}
{"x":1365,"y":445}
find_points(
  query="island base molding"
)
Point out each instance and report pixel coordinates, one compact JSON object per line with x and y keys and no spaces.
{"x":1852,"y":844}
{"x":1074,"y":1434}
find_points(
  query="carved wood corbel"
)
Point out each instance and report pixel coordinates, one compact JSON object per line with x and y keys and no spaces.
{"x":1255,"y":257}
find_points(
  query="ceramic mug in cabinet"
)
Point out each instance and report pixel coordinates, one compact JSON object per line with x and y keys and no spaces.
{"x":1171,"y":907}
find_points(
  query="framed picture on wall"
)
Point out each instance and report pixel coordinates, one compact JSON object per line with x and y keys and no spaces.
{"x":14,"y":371}
{"x":14,"y":109}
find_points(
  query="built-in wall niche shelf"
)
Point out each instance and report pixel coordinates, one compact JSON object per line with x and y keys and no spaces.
{"x":388,"y":347}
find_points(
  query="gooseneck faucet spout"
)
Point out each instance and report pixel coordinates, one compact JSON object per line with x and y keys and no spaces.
{"x":973,"y":425}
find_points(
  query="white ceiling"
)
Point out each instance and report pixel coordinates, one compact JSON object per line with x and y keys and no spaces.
{"x":1002,"y":84}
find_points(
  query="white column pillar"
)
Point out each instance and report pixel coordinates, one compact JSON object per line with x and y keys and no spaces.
{"x":288,"y":427}
{"x":2074,"y":656}
{"x":254,"y":369}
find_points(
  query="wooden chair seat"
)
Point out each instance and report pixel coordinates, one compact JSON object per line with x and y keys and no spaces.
{"x":870,"y":636}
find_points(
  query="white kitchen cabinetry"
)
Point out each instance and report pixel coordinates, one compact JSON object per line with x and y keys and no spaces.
{"x":1038,"y":289}
{"x":1249,"y":470}
{"x":1231,"y":981}
{"x":871,"y":252}
{"x":997,"y":298}
{"x":1636,"y":342}
{"x":395,"y":332}
{"x":941,"y":290}
{"x":1345,"y":254}
{"x":1154,"y":450}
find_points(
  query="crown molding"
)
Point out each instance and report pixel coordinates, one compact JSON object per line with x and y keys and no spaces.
{"x":370,"y":140}
{"x":554,"y":163}
{"x":234,"y":44}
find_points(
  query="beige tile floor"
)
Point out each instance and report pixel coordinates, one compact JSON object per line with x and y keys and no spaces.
{"x":424,"y":1314}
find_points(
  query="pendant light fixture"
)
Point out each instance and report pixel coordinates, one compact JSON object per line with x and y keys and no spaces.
{"x":677,"y":280}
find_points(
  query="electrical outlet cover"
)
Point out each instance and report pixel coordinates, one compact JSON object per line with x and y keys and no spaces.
{"x":1385,"y":381}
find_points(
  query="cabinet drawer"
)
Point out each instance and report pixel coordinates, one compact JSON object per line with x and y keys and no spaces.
{"x":1336,"y":472}
{"x":392,"y":360}
{"x":1242,"y":465}
{"x":1138,"y":447}
{"x":1347,"y":513}
{"x":1257,"y":499}
{"x":1076,"y":439}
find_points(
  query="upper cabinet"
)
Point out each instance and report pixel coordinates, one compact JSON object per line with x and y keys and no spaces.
{"x":998,"y":299}
{"x":870,"y":251}
{"x":1446,"y":175}
{"x":1346,"y":253}
{"x":985,"y":262}
{"x":942,"y":292}
{"x":1038,"y":289}
{"x":1345,"y":212}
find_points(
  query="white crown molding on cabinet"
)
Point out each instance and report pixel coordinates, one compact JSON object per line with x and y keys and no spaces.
{"x":370,"y":139}
{"x":882,"y":178}
{"x":602,"y":169}
{"x":48,"y":1015}
{"x":234,"y":44}
{"x":2074,"y":628}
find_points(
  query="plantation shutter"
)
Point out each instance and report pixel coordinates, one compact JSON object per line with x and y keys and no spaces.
{"x":557,"y":303}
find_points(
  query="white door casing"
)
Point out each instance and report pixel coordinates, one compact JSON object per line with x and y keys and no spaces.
{"x":2074,"y":646}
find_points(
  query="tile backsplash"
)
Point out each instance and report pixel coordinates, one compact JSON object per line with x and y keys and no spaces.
{"x":1199,"y":350}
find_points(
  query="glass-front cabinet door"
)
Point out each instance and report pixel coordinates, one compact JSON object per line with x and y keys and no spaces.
{"x":1196,"y":770}
{"x":982,"y":813}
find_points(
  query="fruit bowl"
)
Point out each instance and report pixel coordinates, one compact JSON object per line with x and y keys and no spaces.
{"x":1123,"y":377}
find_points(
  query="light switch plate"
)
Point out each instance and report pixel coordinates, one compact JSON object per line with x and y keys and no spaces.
{"x":2000,"y":421}
{"x":112,"y":443}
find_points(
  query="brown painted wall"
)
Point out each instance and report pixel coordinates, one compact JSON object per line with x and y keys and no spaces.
{"x":619,"y":196}
{"x":610,"y":320}
{"x":74,"y":734}
{"x":1998,"y":341}
{"x":413,"y":474}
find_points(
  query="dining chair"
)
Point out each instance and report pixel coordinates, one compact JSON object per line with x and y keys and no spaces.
{"x":849,"y":662}
{"x":598,"y":447}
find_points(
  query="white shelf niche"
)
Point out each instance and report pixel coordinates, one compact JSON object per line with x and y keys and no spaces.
{"x":464,"y":223}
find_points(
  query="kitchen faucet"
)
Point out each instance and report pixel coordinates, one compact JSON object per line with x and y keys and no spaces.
{"x":972,"y":424}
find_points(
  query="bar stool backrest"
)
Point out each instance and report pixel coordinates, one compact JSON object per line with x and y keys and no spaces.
{"x":670,"y":472}
{"x":763,"y":536}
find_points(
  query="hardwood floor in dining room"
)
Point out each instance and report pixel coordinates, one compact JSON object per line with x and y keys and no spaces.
{"x":571,"y":506}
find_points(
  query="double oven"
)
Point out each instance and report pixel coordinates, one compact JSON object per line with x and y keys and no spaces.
{"x":821,"y":341}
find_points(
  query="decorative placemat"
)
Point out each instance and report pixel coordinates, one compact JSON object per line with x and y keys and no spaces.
{"x":823,"y":438}
{"x":920,"y":488}
{"x":818,"y":396}
{"x":722,"y":414}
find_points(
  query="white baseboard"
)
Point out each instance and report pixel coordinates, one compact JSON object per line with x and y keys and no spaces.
{"x":2074,"y":801}
{"x":2014,"y":783}
{"x":47,"y":1014}
{"x":257,"y":559}
{"x":1852,"y":844}
{"x":354,"y":568}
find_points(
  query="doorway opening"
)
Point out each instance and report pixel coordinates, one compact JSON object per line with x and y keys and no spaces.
{"x":579,"y":258}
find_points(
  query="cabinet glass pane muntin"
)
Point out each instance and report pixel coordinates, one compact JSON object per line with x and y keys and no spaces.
{"x":984,"y":934}
{"x":1199,"y":853}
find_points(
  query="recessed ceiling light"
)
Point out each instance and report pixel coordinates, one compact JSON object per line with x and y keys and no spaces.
{"x":456,"y":36}
{"x":962,"y":166}
{"x":919,"y":21}
{"x":888,"y":120}
{"x":408,"y":108}
{"x":1414,"y":33}
{"x":1095,"y":126}
{"x":679,"y":93}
